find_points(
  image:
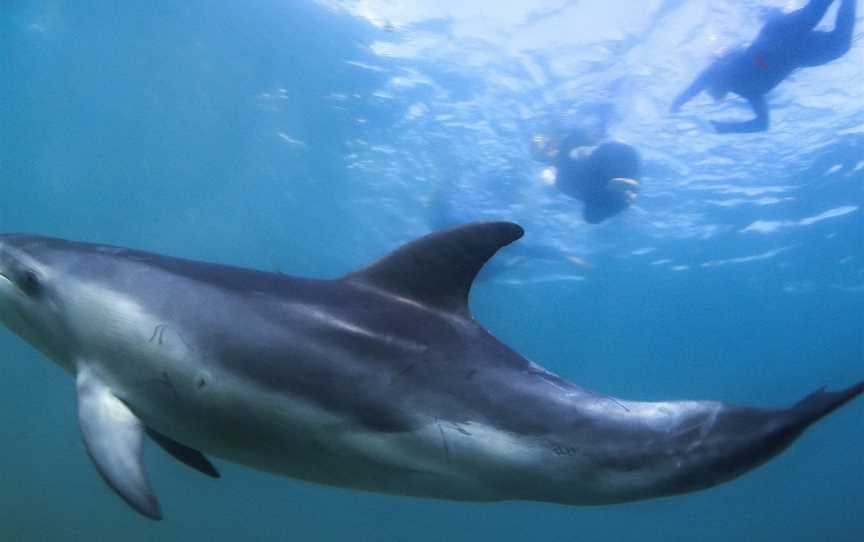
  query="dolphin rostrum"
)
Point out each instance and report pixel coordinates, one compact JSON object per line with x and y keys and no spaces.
{"x":380,"y":380}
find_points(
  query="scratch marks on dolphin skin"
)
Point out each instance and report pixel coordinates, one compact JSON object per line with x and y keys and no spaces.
{"x":200,"y":382}
{"x":461,"y":429}
{"x":159,"y":335}
{"x":352,"y":329}
{"x":620,"y":461}
{"x":711,"y":421}
{"x":163,"y":379}
{"x":402,"y":373}
{"x":703,"y":428}
{"x":159,"y":330}
{"x":444,"y":442}
{"x":617,"y":402}
{"x":563,"y":451}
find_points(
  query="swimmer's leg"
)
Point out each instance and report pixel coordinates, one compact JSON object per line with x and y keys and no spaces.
{"x":823,"y":47}
{"x":808,"y":17}
{"x":793,"y":25}
{"x":758,"y":124}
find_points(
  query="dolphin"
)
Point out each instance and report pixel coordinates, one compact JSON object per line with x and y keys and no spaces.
{"x":380,"y":380}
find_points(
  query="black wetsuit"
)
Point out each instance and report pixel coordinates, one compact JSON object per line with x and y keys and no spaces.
{"x":587,"y":177}
{"x":786,"y":43}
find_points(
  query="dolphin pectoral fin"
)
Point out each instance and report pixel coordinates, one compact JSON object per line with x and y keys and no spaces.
{"x":438,"y":269}
{"x":188,"y":456}
{"x":113,"y":436}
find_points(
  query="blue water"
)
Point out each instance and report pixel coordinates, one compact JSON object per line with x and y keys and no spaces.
{"x":310,"y":137}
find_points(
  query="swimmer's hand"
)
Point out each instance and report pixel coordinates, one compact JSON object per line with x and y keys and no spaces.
{"x":679,"y":102}
{"x":627,"y":188}
{"x":542,"y":149}
{"x":581,"y":153}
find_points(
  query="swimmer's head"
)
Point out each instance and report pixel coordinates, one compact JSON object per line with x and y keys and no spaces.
{"x":615,"y":159}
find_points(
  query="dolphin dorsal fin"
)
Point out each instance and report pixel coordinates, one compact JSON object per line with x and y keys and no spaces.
{"x":438,"y":269}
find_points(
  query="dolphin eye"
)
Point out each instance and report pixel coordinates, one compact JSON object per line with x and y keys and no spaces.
{"x":30,"y":283}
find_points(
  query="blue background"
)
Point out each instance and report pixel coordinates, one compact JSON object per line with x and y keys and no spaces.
{"x":311,"y":137}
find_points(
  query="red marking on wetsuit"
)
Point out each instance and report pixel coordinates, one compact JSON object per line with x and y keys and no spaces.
{"x":760,"y":61}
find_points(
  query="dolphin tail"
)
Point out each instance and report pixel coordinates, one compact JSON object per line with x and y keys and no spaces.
{"x":821,"y":403}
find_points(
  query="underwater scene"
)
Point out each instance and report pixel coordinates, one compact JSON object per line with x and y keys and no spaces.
{"x":655,"y":204}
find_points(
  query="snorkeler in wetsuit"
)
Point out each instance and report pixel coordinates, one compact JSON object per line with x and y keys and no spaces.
{"x":605,"y":177}
{"x":786,"y":42}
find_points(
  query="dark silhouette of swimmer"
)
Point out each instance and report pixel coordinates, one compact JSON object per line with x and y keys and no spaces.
{"x":605,"y":177}
{"x":786,"y":42}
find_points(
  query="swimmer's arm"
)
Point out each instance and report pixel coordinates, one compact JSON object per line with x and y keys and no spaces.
{"x":823,"y":47}
{"x":758,"y":124}
{"x":806,"y":18}
{"x":697,"y":86}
